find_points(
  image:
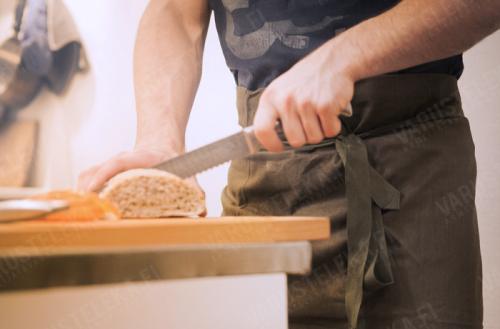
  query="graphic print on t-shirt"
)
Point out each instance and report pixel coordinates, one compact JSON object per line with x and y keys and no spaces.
{"x":261,"y":39}
{"x":256,"y":43}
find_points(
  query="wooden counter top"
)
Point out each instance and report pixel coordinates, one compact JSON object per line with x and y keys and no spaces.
{"x":160,"y":232}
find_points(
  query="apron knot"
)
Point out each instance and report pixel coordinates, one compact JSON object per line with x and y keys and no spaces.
{"x":367,"y":193}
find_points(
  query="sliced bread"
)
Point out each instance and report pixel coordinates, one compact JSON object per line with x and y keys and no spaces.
{"x":152,"y":193}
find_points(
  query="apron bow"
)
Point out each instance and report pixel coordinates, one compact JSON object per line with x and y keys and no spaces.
{"x":367,"y":193}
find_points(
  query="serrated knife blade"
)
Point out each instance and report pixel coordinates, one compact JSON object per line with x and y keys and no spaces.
{"x":211,"y":155}
{"x":233,"y":147}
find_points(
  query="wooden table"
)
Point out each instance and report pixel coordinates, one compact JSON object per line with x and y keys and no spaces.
{"x":198,"y":256}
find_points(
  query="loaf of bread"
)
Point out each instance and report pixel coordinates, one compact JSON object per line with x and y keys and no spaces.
{"x":82,"y":207}
{"x":152,"y":193}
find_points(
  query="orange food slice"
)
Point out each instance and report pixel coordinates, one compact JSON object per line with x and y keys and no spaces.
{"x":82,"y":207}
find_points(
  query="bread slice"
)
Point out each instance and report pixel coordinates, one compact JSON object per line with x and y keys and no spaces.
{"x":153,"y":193}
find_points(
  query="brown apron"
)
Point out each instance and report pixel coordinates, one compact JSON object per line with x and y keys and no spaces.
{"x":399,"y":187}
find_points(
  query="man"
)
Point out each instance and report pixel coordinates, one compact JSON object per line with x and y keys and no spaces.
{"x":396,"y":258}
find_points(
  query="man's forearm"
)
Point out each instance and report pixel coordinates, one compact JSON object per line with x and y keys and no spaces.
{"x":412,"y":33}
{"x":167,"y":70}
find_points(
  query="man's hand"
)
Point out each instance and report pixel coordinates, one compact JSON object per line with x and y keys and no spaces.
{"x":94,"y":178}
{"x":307,"y":99}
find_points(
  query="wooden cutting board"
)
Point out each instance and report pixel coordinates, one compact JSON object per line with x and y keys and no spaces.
{"x":160,"y":232}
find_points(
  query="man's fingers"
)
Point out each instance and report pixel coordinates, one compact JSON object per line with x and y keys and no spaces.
{"x":311,"y":124}
{"x":337,"y":126}
{"x":108,"y":170}
{"x":265,"y":127}
{"x":85,"y":178}
{"x":292,"y":126}
{"x":330,"y":122}
{"x":115,"y":166}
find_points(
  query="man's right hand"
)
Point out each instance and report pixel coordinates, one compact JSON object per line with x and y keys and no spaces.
{"x":94,"y":178}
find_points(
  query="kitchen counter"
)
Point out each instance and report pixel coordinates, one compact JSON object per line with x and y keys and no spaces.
{"x":221,"y":269}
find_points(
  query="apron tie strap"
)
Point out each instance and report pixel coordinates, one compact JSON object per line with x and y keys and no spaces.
{"x":367,"y":193}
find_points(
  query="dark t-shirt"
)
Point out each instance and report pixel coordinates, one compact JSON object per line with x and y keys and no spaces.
{"x":261,"y":39}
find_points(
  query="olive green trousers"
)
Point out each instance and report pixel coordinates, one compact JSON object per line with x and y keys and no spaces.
{"x":398,"y":185}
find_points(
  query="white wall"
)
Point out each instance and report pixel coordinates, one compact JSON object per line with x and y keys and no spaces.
{"x":480,"y":87}
{"x":95,"y":119}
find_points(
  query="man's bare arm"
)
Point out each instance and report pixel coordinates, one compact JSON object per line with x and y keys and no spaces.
{"x":310,"y":96}
{"x":415,"y":32}
{"x":167,"y":71}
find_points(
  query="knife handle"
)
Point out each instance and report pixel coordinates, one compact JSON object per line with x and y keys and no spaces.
{"x":253,"y":143}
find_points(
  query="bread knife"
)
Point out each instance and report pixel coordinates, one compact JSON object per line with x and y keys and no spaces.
{"x":211,"y":155}
{"x":233,"y":147}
